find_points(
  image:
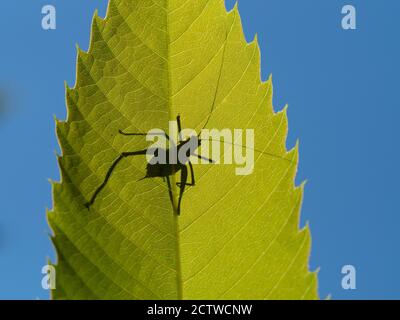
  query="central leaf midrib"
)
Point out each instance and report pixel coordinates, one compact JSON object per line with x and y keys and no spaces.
{"x":175,"y":195}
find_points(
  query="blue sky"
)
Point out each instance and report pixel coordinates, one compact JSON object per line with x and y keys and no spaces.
{"x":342,"y":91}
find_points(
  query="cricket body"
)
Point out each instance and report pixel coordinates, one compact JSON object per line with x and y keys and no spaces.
{"x":163,"y":169}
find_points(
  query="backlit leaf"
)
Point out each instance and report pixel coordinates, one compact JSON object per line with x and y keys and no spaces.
{"x":237,"y":236}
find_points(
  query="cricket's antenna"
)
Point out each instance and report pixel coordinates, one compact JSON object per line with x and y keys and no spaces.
{"x":254,"y":149}
{"x":218,"y":83}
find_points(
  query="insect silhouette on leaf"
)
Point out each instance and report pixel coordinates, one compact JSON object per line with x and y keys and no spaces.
{"x":169,"y":168}
{"x":162,"y":170}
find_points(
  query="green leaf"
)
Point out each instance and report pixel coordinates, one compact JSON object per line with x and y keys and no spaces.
{"x":237,"y":236}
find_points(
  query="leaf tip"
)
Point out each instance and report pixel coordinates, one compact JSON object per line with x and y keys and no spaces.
{"x":97,"y":22}
{"x":303,"y":184}
{"x":236,"y":6}
{"x":79,"y":50}
{"x":66,"y":86}
{"x":255,"y":38}
{"x":297,"y":144}
{"x":284,"y":111}
{"x":55,"y":119}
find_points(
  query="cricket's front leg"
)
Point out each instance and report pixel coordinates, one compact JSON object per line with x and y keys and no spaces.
{"x":184,"y":176}
{"x":193,"y":183}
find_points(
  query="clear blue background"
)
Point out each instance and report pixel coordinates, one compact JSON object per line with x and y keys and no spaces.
{"x":343,"y":93}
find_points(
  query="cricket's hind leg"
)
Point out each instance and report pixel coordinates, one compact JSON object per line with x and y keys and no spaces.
{"x":171,"y":197}
{"x":184,"y":176}
{"x":193,"y":183}
{"x":109,"y":173}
